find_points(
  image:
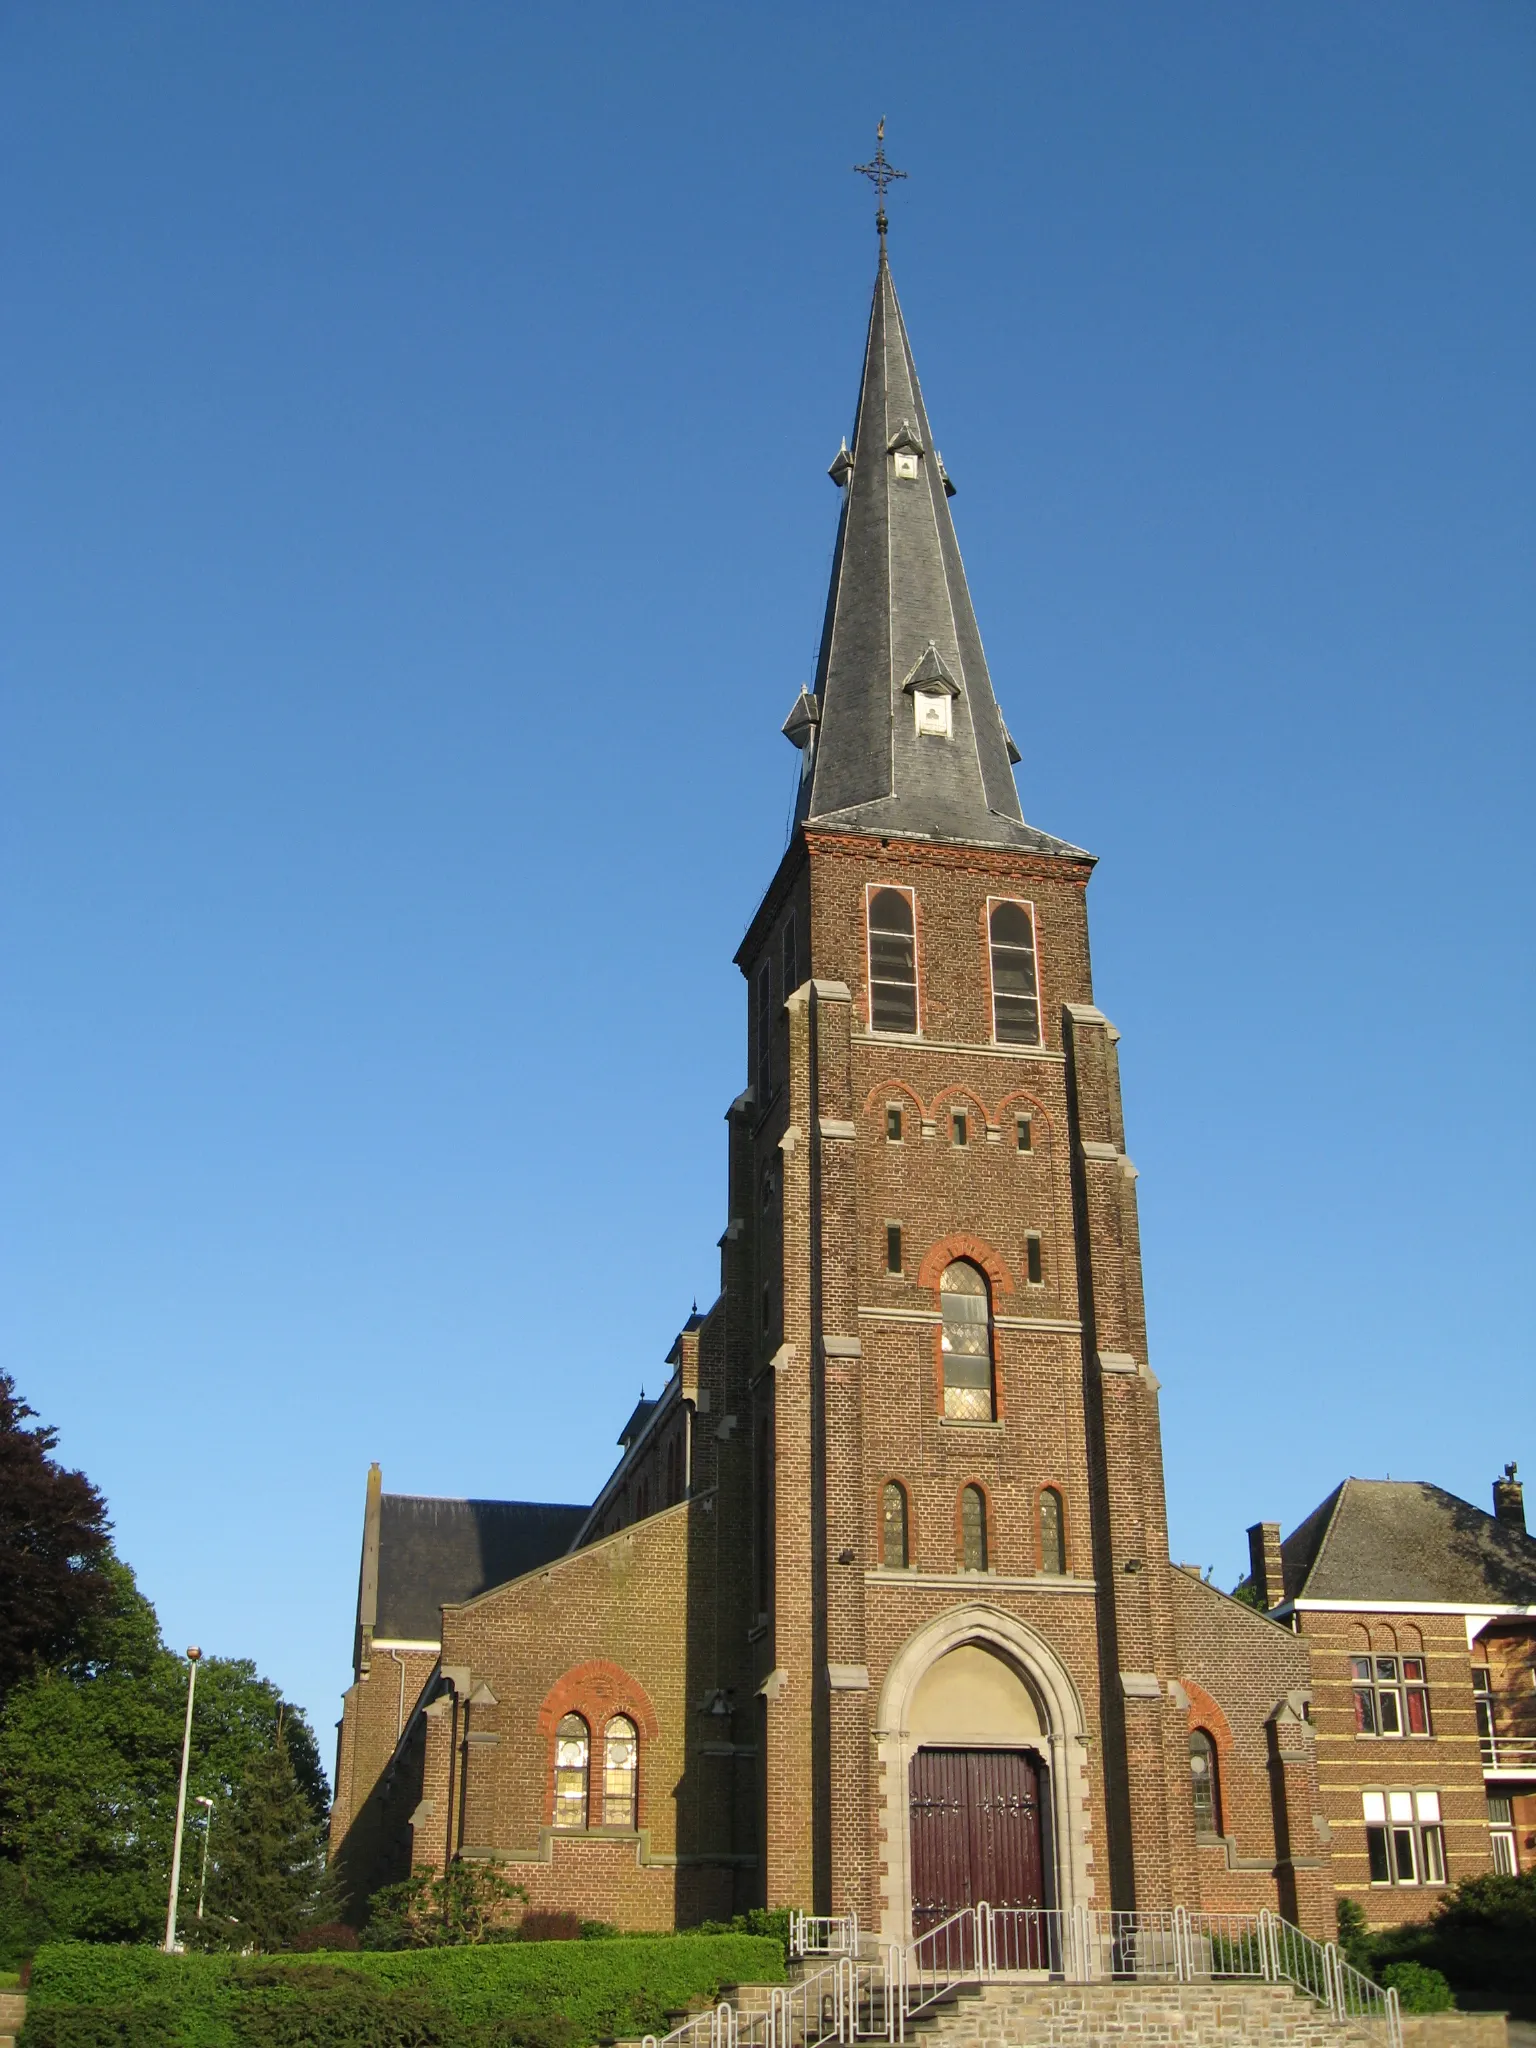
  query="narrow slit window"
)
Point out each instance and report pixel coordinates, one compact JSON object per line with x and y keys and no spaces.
{"x":960,"y":1128}
{"x":1053,"y":1555}
{"x":892,"y":961}
{"x":764,"y":1031}
{"x":1015,"y":983}
{"x":973,"y":1529}
{"x":1024,"y":1133}
{"x":893,"y":1526}
{"x":1033,"y":1264}
{"x":621,"y":1755}
{"x":893,"y":1122}
{"x":791,"y":955}
{"x":573,"y":1746}
{"x":893,"y":1247}
{"x":966,"y":1342}
{"x":767,"y":1308}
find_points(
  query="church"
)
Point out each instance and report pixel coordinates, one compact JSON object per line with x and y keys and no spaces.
{"x":876,"y":1612}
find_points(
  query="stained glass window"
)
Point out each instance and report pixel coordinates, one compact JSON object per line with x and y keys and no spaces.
{"x":973,"y":1530}
{"x":1052,"y":1550}
{"x":621,"y":1755}
{"x":572,"y":1749}
{"x":967,"y":1343}
{"x":893,"y":1526}
{"x":1203,"y":1784}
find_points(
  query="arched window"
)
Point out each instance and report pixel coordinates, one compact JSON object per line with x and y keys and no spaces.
{"x":973,"y":1529}
{"x":892,"y":961}
{"x":1015,"y":987}
{"x":621,"y":1756}
{"x":967,"y":1342}
{"x":1053,"y":1552}
{"x":893,"y":1526}
{"x":1204,"y":1783}
{"x":573,"y":1748}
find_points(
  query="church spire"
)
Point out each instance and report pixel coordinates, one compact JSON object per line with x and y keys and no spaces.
{"x":903,"y":734}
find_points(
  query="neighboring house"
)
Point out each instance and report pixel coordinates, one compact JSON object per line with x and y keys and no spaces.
{"x":1420,"y":1612}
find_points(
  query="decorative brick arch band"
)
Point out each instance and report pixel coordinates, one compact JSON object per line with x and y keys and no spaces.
{"x":959,"y":1245}
{"x":1204,"y":1712}
{"x":597,"y":1690}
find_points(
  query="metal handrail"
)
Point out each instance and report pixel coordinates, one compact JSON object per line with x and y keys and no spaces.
{"x":823,"y":1934}
{"x":1507,"y":1752}
{"x":849,"y":2000}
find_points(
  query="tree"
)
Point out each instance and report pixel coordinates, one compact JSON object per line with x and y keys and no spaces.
{"x":90,"y":1750}
{"x":54,"y":1543}
{"x":268,"y":1880}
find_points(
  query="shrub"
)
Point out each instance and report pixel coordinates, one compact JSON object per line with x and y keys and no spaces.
{"x":1418,"y":1988}
{"x":99,"y":2026}
{"x":512,"y":1994}
{"x":544,"y":1925}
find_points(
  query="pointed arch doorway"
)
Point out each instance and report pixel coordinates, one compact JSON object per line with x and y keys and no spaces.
{"x":976,"y":1814}
{"x":982,"y":1785}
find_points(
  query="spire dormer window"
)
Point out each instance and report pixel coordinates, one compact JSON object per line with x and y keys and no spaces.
{"x":906,"y":452}
{"x":933,"y":691}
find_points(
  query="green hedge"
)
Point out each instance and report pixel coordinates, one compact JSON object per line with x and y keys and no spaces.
{"x":86,"y":1996}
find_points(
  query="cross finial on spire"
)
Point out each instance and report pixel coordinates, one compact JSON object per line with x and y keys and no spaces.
{"x":880,"y":174}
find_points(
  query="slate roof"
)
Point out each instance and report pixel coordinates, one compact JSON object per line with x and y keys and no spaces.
{"x":898,"y":590}
{"x":1403,"y":1539}
{"x":436,"y":1551}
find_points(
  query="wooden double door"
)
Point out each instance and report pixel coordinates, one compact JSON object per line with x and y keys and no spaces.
{"x":977,"y":1831}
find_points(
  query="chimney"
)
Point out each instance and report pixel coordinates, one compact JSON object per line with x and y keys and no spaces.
{"x":1509,"y":1499}
{"x":1264,"y":1562}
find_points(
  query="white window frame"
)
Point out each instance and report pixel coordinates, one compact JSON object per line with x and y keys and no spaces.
{"x":1407,"y":1818}
{"x":1025,"y":903}
{"x":871,"y":891}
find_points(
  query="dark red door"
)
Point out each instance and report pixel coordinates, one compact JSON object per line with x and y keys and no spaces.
{"x":975,"y":1832}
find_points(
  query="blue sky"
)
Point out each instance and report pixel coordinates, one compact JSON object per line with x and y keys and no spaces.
{"x":415,"y":528}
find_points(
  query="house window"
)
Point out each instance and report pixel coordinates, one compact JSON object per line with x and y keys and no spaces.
{"x":1501,"y":1835}
{"x":1024,"y":1132}
{"x":1053,"y":1553}
{"x":1032,"y":1263}
{"x":572,"y":1749}
{"x":960,"y":1127}
{"x":791,"y":955}
{"x":893,"y":1526}
{"x":966,"y":1341}
{"x":973,"y":1529}
{"x":892,"y":961}
{"x":893,"y":1247}
{"x":1391,"y":1697}
{"x":1204,"y":1784}
{"x":621,"y":1752}
{"x":1015,"y":986}
{"x":1405,"y":1843}
{"x":764,"y":1031}
{"x":893,"y":1122}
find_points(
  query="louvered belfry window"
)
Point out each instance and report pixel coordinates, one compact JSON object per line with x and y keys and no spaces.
{"x":892,"y":961}
{"x":573,"y":1746}
{"x":1015,"y":983}
{"x":966,"y":1339}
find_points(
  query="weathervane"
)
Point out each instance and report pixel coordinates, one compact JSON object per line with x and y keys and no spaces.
{"x":880,"y":174}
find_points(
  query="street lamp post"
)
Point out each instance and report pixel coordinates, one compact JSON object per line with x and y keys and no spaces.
{"x":202,"y":1882}
{"x":181,"y":1803}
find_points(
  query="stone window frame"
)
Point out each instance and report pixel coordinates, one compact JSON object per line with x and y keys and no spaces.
{"x":889,"y":1480}
{"x":1052,"y":1486}
{"x":1026,"y":904}
{"x":988,"y":1568}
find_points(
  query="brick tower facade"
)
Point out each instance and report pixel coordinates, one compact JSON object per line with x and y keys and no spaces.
{"x":888,"y":1557}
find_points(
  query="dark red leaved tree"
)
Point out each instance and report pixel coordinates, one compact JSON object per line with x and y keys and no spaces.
{"x":53,"y":1538}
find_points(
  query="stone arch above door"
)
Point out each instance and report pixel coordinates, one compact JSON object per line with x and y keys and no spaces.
{"x":910,"y":1714}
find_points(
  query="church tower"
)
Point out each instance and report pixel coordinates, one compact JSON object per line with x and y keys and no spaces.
{"x":963,"y":1602}
{"x":874,"y":1614}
